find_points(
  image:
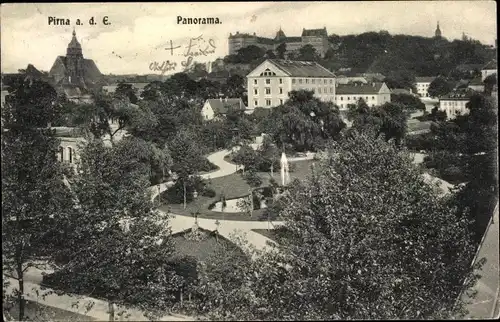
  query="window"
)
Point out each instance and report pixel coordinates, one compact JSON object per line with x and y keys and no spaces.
{"x":312,"y":81}
{"x":366,"y":98}
{"x":300,"y":80}
{"x":255,"y":103}
{"x":281,"y":101}
{"x":281,"y":90}
{"x":341,"y":98}
{"x":70,"y":153}
{"x":373,"y":97}
{"x":268,"y":102}
{"x":331,"y":89}
{"x":307,"y":80}
{"x":255,"y":91}
{"x":348,"y":98}
{"x":281,"y":80}
{"x":268,"y":90}
{"x":331,"y":81}
{"x":268,"y":81}
{"x":255,"y":81}
{"x":61,"y":153}
{"x":293,"y":80}
{"x":324,"y":82}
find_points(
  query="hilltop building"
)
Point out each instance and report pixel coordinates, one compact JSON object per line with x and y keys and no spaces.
{"x":437,"y":33}
{"x":270,"y":82}
{"x":74,"y":75}
{"x":318,"y":38}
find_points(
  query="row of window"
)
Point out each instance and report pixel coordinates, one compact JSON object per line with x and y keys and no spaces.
{"x":454,"y":103}
{"x":320,"y":91}
{"x":299,"y":80}
{"x":268,"y":91}
{"x":347,"y":105}
{"x":268,"y":102}
{"x":354,"y":98}
{"x":313,"y":81}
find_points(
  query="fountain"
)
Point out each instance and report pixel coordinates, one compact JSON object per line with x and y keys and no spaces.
{"x":285,"y":175}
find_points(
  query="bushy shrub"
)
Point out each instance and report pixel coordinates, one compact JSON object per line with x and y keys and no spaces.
{"x":209,"y":192}
{"x":252,"y":178}
{"x":175,"y":194}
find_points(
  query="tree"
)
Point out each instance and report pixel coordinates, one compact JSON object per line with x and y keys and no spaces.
{"x":374,"y":242}
{"x":270,"y":54}
{"x":34,"y":196}
{"x":411,"y":103}
{"x":117,"y":245}
{"x":439,"y":87}
{"x":250,"y":53}
{"x":401,"y":79}
{"x":127,"y":91}
{"x":281,"y":50}
{"x":187,"y":159}
{"x":308,"y":53}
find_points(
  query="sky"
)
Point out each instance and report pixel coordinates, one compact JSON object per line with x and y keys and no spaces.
{"x":139,"y":33}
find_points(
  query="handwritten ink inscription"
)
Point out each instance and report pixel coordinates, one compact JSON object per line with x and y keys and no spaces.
{"x":197,"y":47}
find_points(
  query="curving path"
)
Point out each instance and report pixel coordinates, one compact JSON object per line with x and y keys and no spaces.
{"x":228,"y":227}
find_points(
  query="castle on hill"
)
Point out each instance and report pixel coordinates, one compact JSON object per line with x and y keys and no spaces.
{"x":318,"y":38}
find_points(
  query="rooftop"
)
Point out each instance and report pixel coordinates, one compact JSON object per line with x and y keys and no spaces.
{"x":223,"y":106}
{"x":295,"y":68}
{"x":425,"y":79}
{"x":491,"y":65}
{"x":314,"y":32}
{"x":372,"y":88}
{"x":458,"y":95}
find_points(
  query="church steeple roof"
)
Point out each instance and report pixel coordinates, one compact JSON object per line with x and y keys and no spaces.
{"x":280,"y":35}
{"x":74,"y":42}
{"x":438,"y":31}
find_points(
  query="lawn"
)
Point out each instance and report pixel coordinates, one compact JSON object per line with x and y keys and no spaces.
{"x":35,"y":311}
{"x":415,"y":125}
{"x":203,"y":249}
{"x":234,"y":186}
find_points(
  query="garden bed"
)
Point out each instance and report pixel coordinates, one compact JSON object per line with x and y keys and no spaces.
{"x":234,"y":186}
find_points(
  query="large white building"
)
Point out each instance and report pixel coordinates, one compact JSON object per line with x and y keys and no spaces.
{"x":422,"y":85}
{"x":455,"y":103}
{"x":374,"y":94}
{"x":270,"y":82}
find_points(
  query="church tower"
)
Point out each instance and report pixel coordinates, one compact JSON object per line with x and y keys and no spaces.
{"x":74,"y":61}
{"x":437,"y":34}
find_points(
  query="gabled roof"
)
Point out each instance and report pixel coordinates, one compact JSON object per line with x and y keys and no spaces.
{"x":372,"y":88}
{"x":463,"y":95}
{"x":425,"y":79}
{"x":491,"y":65}
{"x":295,"y":68}
{"x":223,"y":106}
{"x":314,"y":32}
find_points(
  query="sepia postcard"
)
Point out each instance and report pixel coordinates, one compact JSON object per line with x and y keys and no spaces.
{"x":305,"y":160}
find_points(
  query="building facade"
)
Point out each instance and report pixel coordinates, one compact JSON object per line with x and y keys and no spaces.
{"x":318,"y":38}
{"x":374,"y":94}
{"x":270,"y":82}
{"x":422,"y":84}
{"x":455,"y":103}
{"x":489,"y":69}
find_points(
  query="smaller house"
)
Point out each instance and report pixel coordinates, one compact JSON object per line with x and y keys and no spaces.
{"x":422,"y":84}
{"x":476,"y":84}
{"x":489,"y":69}
{"x":455,"y":103}
{"x":374,"y":94}
{"x":215,"y":108}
